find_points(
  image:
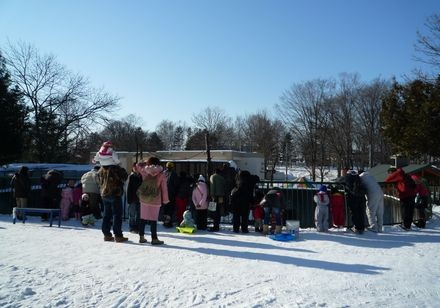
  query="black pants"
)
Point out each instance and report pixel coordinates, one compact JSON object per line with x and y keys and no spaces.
{"x":358,"y":211}
{"x":168,"y":209}
{"x":240,"y":218}
{"x":201,"y":219}
{"x":153,"y":228}
{"x":421,"y":208}
{"x":217,"y":213}
{"x":407,"y":211}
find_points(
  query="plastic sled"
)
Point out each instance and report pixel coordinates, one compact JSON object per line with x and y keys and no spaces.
{"x":282,"y":237}
{"x":186,"y":229}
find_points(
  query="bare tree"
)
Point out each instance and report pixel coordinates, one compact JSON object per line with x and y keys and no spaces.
{"x":302,"y":110}
{"x":126,"y":134}
{"x":165,"y":130}
{"x":56,"y":95}
{"x":369,"y":107}
{"x":265,"y":136}
{"x":214,"y":121}
{"x":427,"y":46}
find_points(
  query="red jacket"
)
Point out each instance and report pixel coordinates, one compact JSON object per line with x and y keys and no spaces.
{"x":403,"y":190}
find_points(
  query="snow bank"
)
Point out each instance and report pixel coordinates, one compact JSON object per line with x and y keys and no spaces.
{"x":71,"y":266}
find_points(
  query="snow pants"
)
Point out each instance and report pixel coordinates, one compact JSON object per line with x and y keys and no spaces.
{"x":407,"y":211}
{"x":375,"y":211}
{"x":321,"y":218}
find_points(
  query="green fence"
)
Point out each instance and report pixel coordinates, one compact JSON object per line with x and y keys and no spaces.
{"x":300,"y":205}
{"x":298,"y":200}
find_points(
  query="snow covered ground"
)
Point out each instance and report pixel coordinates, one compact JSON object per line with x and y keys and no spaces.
{"x":71,"y":266}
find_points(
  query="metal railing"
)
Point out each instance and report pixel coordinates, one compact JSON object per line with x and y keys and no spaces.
{"x":298,"y":198}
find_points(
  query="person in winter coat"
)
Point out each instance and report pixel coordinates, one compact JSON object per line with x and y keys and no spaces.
{"x":217,"y":193}
{"x":406,"y":190}
{"x":111,"y":183}
{"x":90,"y":186}
{"x":172,"y":187}
{"x":273,"y":205}
{"x":230,"y":176}
{"x":422,"y":198}
{"x":134,"y":181}
{"x":21,"y":185}
{"x":153,"y":192}
{"x":337,"y":207}
{"x":241,"y":201}
{"x":356,"y":202}
{"x":321,"y":211}
{"x":200,"y":200}
{"x":50,"y":192}
{"x":183,"y":194}
{"x":375,"y":207}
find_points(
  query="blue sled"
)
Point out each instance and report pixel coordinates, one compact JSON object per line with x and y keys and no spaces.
{"x":282,"y":237}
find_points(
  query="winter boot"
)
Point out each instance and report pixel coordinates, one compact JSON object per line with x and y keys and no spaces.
{"x":278,"y":229}
{"x":108,"y":238}
{"x":142,"y":239}
{"x":121,"y":239}
{"x":156,"y":241}
{"x":265,"y":229}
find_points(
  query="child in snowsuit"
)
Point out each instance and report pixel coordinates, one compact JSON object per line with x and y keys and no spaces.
{"x":258,"y":211}
{"x":87,"y":218}
{"x":321,"y":211}
{"x":67,"y":200}
{"x":188,"y":221}
{"x":337,"y":207}
{"x":200,"y":201}
{"x":273,"y":205}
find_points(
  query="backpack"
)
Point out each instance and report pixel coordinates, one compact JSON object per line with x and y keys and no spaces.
{"x":148,"y":190}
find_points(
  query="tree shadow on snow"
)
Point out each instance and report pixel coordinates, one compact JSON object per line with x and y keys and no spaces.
{"x":391,"y":238}
{"x":234,"y":242}
{"x":288,"y":260}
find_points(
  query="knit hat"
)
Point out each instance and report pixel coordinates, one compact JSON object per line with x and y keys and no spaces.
{"x":170,"y":164}
{"x":201,"y":178}
{"x":85,"y":197}
{"x":323,"y":188}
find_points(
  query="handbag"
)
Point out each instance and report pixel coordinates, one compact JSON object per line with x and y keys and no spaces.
{"x":212,"y":206}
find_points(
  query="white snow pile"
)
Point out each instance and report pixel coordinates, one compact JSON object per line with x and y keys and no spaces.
{"x":71,"y":266}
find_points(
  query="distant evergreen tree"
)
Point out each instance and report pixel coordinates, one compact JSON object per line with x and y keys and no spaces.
{"x":153,"y":143}
{"x":12,"y":119}
{"x":411,"y":116}
{"x":48,"y":145}
{"x":178,"y":138}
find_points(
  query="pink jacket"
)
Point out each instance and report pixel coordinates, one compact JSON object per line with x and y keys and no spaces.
{"x":200,"y":196}
{"x":154,"y":172}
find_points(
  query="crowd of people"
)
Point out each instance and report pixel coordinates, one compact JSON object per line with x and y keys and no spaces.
{"x":155,"y":193}
{"x":365,"y":201}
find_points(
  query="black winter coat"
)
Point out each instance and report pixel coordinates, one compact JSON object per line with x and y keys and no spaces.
{"x":21,"y":185}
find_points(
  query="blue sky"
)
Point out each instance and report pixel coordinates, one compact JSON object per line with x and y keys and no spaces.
{"x":168,"y":60}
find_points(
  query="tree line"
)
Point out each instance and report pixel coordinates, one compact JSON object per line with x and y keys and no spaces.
{"x":49,"y":114}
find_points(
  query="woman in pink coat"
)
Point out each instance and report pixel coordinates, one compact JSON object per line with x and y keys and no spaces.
{"x":200,"y":200}
{"x":152,"y":193}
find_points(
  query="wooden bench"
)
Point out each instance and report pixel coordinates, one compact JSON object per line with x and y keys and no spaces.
{"x":25,"y":210}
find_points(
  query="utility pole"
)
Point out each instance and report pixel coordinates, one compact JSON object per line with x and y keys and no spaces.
{"x":208,"y":154}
